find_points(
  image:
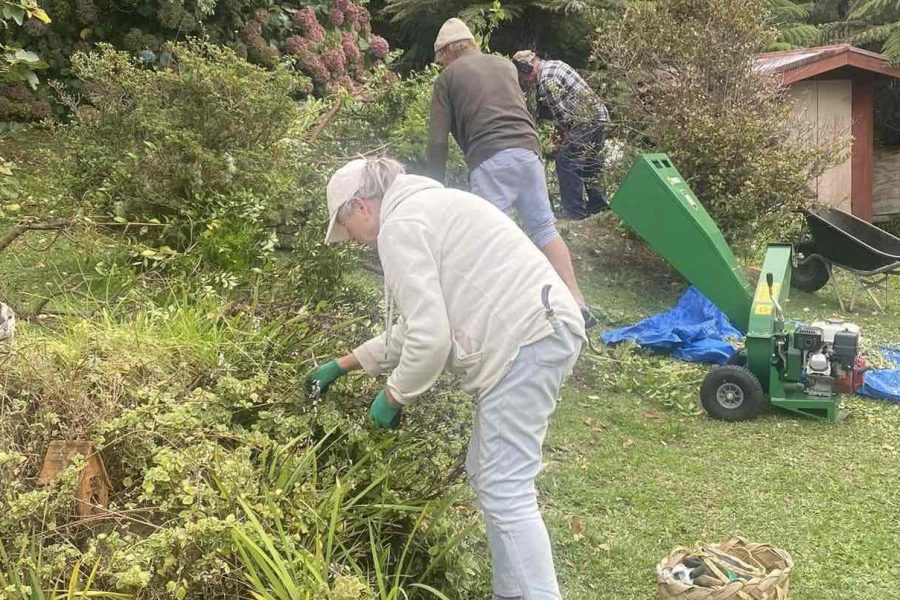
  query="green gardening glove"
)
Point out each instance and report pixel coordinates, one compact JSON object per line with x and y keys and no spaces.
{"x":320,"y":379}
{"x":383,"y":414}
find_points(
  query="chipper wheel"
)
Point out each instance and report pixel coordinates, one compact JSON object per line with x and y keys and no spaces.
{"x":811,"y":274}
{"x":731,"y":393}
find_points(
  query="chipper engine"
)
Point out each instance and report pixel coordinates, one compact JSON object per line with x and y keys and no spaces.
{"x":800,"y":368}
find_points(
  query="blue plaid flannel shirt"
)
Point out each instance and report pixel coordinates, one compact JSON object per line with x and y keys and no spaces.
{"x":567,"y":97}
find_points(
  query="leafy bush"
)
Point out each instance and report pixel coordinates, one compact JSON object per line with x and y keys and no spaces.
{"x":331,"y":43}
{"x":186,"y":371}
{"x":17,"y":63}
{"x":218,"y":460}
{"x":559,"y":28}
{"x":169,"y":144}
{"x":691,"y":90}
{"x":395,"y":116}
{"x":189,"y":163}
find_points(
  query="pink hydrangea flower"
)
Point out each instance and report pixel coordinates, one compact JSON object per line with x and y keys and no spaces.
{"x":379,"y":46}
{"x":297,"y":45}
{"x":351,"y":15}
{"x":335,"y":61}
{"x":350,"y":46}
{"x":336,"y":17}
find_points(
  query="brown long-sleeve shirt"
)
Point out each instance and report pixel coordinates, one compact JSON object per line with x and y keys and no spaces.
{"x":478,"y":99}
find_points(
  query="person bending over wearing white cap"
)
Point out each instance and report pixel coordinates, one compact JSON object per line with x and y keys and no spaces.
{"x":477,"y":98}
{"x":474,"y":297}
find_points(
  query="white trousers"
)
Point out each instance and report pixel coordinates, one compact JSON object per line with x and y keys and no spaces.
{"x":503,"y":459}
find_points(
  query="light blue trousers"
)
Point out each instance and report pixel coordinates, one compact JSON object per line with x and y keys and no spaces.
{"x":514,"y":179}
{"x":504,"y":457}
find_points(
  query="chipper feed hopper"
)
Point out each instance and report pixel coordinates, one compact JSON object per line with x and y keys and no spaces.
{"x":796,"y":366}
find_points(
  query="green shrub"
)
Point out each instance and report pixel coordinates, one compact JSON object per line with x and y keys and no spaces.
{"x":681,"y":79}
{"x":331,"y":43}
{"x":171,"y":144}
{"x":186,"y":371}
{"x":394,"y":116}
{"x":188,"y":163}
{"x":209,"y":442}
{"x":16,"y":63}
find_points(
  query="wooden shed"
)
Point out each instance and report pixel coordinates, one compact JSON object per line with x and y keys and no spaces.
{"x":834,"y":91}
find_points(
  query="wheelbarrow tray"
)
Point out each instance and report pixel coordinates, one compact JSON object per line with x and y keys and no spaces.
{"x":849,"y":242}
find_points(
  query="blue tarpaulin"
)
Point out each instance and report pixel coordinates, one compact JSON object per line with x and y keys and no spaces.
{"x":694,"y":330}
{"x":883,"y":383}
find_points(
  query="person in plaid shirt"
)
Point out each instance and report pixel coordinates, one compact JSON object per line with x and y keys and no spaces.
{"x":580,"y":118}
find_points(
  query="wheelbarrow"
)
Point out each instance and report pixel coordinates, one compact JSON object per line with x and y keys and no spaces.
{"x":844,"y":241}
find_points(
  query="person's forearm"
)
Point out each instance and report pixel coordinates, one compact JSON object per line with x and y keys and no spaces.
{"x":348,"y":362}
{"x":436,"y":163}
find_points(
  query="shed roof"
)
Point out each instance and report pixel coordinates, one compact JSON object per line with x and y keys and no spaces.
{"x":797,"y":65}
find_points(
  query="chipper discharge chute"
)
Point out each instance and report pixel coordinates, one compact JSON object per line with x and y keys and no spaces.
{"x":799,"y":367}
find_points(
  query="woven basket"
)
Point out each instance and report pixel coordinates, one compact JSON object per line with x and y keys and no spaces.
{"x":766,"y":572}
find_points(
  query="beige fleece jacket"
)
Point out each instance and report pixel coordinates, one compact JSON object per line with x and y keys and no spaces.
{"x":467,"y":285}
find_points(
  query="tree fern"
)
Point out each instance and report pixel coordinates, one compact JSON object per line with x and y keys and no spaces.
{"x":840,"y":31}
{"x":792,"y":21}
{"x":416,"y":22}
{"x":786,"y":11}
{"x":829,"y":11}
{"x":873,"y":34}
{"x":402,"y":11}
{"x":800,"y":35}
{"x":891,"y":46}
{"x":875,"y":23}
{"x":875,"y":11}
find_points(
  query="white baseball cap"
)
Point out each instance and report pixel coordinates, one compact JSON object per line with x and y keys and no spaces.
{"x":342,"y":186}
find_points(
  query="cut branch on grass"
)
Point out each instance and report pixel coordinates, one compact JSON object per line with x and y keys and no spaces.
{"x":23,"y":228}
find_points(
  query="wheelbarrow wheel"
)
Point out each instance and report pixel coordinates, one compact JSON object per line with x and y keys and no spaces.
{"x":811,"y":274}
{"x":731,"y":393}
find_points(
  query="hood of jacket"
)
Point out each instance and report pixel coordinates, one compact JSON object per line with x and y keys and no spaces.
{"x":403,"y":187}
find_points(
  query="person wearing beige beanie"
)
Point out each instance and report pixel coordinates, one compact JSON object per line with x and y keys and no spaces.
{"x":453,"y":30}
{"x":477,"y":99}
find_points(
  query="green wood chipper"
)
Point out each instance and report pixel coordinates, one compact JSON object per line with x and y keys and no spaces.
{"x":799,"y":367}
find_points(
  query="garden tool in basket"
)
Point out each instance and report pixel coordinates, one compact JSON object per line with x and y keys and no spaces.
{"x":736,"y":569}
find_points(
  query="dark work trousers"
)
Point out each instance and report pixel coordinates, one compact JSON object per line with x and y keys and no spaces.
{"x":579,"y":164}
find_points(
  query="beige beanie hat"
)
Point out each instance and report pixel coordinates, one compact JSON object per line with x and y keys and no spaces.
{"x":453,"y":30}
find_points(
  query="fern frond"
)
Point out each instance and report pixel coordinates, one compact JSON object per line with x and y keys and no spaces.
{"x":840,"y":31}
{"x":563,"y":6}
{"x":786,"y":11}
{"x":800,"y":35}
{"x":891,"y":46}
{"x":475,"y":11}
{"x":875,"y":34}
{"x":406,"y":10}
{"x":875,"y":11}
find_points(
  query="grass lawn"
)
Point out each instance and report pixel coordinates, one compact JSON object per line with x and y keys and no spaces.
{"x":628,"y":479}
